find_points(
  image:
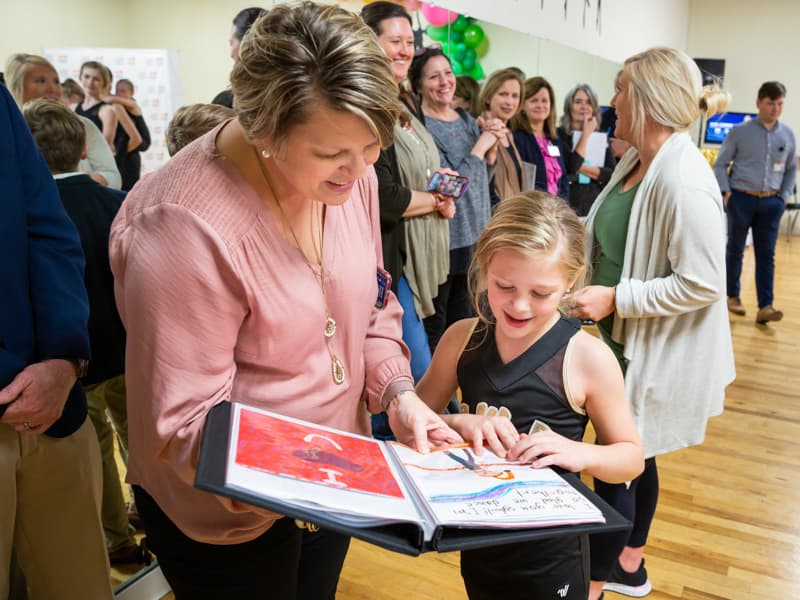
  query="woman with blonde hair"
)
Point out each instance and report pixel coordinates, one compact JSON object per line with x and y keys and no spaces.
{"x":29,"y":77}
{"x":500,"y":99}
{"x":536,"y":137}
{"x":656,"y":241}
{"x":246,"y":272}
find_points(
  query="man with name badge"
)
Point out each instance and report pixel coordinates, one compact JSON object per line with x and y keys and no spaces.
{"x":763,"y":165}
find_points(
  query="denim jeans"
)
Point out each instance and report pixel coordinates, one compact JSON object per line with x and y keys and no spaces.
{"x":763,"y":215}
{"x":416,"y":339}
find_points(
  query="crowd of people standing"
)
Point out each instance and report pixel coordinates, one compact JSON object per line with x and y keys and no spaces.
{"x":313,"y":172}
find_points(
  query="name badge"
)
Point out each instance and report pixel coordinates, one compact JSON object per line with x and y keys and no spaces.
{"x":778,"y":166}
{"x":384,"y":287}
{"x":553,"y":150}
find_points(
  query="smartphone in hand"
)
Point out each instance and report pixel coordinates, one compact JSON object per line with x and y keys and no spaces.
{"x":452,"y":186}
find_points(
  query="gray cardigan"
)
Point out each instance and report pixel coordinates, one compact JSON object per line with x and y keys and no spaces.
{"x":670,"y":301}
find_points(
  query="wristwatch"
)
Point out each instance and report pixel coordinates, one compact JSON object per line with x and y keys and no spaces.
{"x":81,"y":366}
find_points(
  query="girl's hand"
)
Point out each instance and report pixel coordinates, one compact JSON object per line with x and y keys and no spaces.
{"x":547,"y":448}
{"x":593,"y":302}
{"x":498,"y":433}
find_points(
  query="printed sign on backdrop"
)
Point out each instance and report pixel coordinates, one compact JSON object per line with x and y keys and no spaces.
{"x":155,"y":76}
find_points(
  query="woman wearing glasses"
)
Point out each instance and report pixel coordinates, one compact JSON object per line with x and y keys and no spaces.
{"x":468,"y":147}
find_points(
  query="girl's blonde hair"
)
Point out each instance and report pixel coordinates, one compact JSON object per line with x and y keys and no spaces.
{"x":17,"y":69}
{"x":665,"y":85}
{"x":296,"y":58}
{"x":533,"y":223}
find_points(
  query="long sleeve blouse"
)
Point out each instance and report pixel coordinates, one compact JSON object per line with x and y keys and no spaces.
{"x":219,"y":306}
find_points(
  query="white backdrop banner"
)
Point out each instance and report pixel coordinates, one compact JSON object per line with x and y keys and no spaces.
{"x":155,"y":76}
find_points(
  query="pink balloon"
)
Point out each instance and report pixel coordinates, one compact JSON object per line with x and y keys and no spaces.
{"x":438,"y":16}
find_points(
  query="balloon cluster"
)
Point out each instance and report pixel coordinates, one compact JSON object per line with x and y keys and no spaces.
{"x":462,"y":39}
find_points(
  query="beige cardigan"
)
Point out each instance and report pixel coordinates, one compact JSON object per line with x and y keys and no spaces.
{"x":670,"y":301}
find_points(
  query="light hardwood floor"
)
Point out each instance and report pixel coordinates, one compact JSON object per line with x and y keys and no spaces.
{"x":727,"y":524}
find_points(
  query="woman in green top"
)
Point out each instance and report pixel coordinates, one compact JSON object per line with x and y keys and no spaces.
{"x":656,"y":239}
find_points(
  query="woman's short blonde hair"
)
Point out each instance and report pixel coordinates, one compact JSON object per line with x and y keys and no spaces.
{"x":495,"y":82}
{"x":665,"y":85}
{"x":298,"y":57}
{"x":193,"y":120}
{"x":535,"y":224}
{"x":17,"y":69}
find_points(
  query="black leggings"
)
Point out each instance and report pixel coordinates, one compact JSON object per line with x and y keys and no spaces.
{"x":636,"y":503}
{"x":284,"y":563}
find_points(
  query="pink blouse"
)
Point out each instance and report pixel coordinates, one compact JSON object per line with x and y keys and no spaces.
{"x":551,"y":165}
{"x":219,"y":306}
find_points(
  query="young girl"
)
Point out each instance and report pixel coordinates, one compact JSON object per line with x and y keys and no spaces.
{"x":530,"y":381}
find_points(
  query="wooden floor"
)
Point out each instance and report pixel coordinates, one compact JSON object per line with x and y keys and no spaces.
{"x":728,"y":519}
{"x":728,"y":524}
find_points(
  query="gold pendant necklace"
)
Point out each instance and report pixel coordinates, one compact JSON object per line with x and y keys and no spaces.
{"x":337,"y":368}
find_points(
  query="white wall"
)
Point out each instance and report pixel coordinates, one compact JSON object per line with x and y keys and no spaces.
{"x":562,"y":66}
{"x":627,"y":26}
{"x":760,"y":41}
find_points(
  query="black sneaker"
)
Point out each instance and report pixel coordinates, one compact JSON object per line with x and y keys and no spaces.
{"x":634,"y":584}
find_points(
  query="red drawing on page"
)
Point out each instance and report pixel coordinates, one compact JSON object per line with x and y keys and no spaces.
{"x":306,"y":453}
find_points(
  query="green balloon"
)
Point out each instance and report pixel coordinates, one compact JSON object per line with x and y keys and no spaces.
{"x":483,"y":47}
{"x":476,"y":72}
{"x":456,"y":66}
{"x":446,"y":50}
{"x":473,"y":36}
{"x":458,"y":55}
{"x":438,"y":34}
{"x":470,"y":52}
{"x":456,"y":36}
{"x":460,"y":24}
{"x":468,"y":62}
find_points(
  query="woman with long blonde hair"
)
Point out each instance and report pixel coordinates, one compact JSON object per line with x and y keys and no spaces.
{"x":655,"y":238}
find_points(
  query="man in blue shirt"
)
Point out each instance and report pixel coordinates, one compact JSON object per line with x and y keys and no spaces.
{"x":761,"y":179}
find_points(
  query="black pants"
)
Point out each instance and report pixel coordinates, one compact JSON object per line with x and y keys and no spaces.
{"x":452,"y":303}
{"x":284,"y":563}
{"x":637,"y":503}
{"x":540,"y":569}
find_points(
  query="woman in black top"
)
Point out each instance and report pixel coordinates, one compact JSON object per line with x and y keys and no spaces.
{"x":586,"y":181}
{"x":127,"y":155}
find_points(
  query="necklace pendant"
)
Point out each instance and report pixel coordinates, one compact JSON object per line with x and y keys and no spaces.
{"x":337,"y":369}
{"x":330,"y":327}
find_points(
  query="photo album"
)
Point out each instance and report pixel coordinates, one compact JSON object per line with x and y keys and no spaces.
{"x":386,"y":493}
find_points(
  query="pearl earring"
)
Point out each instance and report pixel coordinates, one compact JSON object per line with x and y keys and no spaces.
{"x":265,"y":153}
